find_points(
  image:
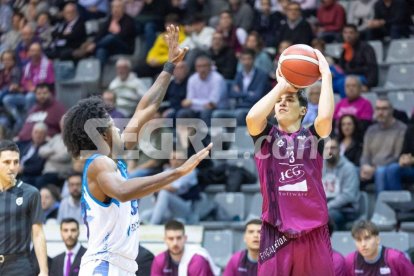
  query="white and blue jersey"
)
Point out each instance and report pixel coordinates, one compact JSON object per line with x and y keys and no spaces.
{"x":112,"y":228}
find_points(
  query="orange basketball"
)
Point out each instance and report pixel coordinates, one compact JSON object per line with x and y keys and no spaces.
{"x":299,"y":65}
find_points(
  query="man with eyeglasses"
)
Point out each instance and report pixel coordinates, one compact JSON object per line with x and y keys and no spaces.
{"x":382,"y":144}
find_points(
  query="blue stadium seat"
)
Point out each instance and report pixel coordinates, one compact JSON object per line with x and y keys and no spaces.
{"x":220,"y":246}
{"x":343,"y":242}
{"x":400,"y":51}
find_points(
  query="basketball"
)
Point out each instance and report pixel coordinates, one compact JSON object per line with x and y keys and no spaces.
{"x":299,"y":65}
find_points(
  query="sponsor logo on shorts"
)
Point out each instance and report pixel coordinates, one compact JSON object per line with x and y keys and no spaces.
{"x":271,"y":250}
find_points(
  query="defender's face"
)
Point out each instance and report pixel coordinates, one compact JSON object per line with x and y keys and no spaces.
{"x":175,"y":241}
{"x":367,"y":245}
{"x":252,"y":236}
{"x":287,"y":108}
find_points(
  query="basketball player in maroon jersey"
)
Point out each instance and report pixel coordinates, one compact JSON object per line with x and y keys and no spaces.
{"x":294,"y":236}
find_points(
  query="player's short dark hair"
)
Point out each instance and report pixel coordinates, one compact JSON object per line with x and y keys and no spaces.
{"x":69,"y":220}
{"x":351,"y":26}
{"x":303,"y":100}
{"x":74,"y":135}
{"x":174,"y":225}
{"x":362,"y":226}
{"x":43,"y":85}
{"x":8,"y":145}
{"x":253,"y":221}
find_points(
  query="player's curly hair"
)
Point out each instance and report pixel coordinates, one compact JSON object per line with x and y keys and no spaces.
{"x":74,"y":134}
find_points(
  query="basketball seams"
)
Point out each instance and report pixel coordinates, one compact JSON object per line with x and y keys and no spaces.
{"x":298,"y":57}
{"x":296,"y":72}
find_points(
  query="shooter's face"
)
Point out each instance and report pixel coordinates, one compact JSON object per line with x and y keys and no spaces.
{"x":175,"y":241}
{"x":288,"y":109}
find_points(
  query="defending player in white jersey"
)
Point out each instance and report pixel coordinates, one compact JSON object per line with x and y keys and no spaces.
{"x":109,"y":199}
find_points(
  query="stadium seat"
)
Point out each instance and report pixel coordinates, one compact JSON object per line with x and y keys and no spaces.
{"x":85,"y":82}
{"x":384,"y":216}
{"x":400,"y":51}
{"x":399,"y":76}
{"x":233,"y":203}
{"x":379,"y":50}
{"x":243,"y":142}
{"x":220,"y":246}
{"x":343,"y":242}
{"x":397,"y":240}
{"x":363,"y":209}
{"x":255,"y":210}
{"x":402,"y":100}
{"x":370,"y":96}
{"x":333,"y":49}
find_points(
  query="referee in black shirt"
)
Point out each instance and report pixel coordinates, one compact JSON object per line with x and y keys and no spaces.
{"x":20,"y":218}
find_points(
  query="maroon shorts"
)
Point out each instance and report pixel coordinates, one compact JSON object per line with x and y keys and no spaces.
{"x":309,"y":254}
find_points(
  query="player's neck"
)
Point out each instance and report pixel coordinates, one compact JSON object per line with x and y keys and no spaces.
{"x":253,"y":254}
{"x":5,"y":185}
{"x":177,"y":257}
{"x":289,"y":127}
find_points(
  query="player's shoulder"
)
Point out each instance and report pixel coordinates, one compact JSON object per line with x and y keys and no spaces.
{"x":393,"y":254}
{"x":160,"y":257}
{"x":349,"y":259}
{"x":101,"y":162}
{"x":27,"y":188}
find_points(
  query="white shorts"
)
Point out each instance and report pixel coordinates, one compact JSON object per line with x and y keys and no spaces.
{"x":102,"y":268}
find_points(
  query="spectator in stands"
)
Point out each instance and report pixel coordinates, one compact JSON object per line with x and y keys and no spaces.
{"x":242,"y":14}
{"x":358,"y":58}
{"x":391,"y":18}
{"x":383,"y":142}
{"x":251,"y":84}
{"x":47,"y":110}
{"x":359,"y":14}
{"x":262,"y":59}
{"x":12,"y":38}
{"x":175,"y":201}
{"x":50,"y":202}
{"x":117,"y":35}
{"x":296,"y":29}
{"x":10,"y":74}
{"x":68,"y":262}
{"x":331,"y":20}
{"x":6,"y":14}
{"x":22,"y":48}
{"x":338,"y":259}
{"x":224,"y":57}
{"x":313,"y":94}
{"x":350,"y":138}
{"x":158,"y":53}
{"x":245,"y":262}
{"x":33,"y":8}
{"x":404,"y":168}
{"x":58,"y":161}
{"x":177,"y":90}
{"x":38,"y":69}
{"x":234,"y":36}
{"x":341,"y":184}
{"x":93,"y":9}
{"x":70,"y":206}
{"x":68,"y":34}
{"x":275,"y":5}
{"x":179,"y":257}
{"x":205,"y":91}
{"x":354,"y":103}
{"x":109,"y":98}
{"x":198,"y":38}
{"x":150,"y":21}
{"x":267,"y":23}
{"x":44,"y":29}
{"x":31,"y":163}
{"x":144,"y":261}
{"x":128,"y":88}
{"x":372,"y":258}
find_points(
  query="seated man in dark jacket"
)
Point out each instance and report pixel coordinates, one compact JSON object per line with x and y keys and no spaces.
{"x":31,"y":164}
{"x":251,"y":84}
{"x":68,"y":34}
{"x":358,"y":58}
{"x":117,"y":36}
